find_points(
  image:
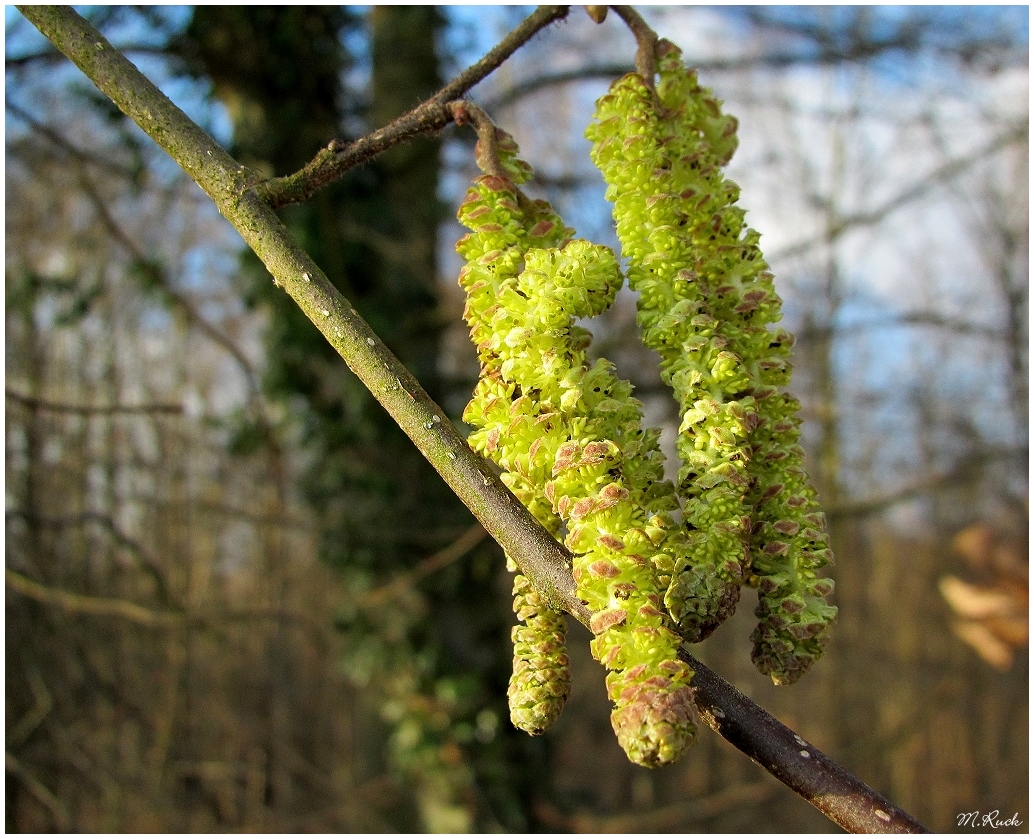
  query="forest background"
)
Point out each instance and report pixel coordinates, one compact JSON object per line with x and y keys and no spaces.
{"x":238,"y":599}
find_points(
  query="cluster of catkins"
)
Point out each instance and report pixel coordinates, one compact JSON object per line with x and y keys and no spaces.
{"x":569,"y":437}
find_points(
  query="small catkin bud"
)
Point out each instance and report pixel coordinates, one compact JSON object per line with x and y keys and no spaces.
{"x":541,"y":681}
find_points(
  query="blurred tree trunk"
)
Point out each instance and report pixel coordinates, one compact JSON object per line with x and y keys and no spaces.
{"x":279,"y":72}
{"x":405,"y":72}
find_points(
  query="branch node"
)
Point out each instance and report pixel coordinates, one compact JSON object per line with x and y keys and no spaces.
{"x":337,"y":158}
{"x":460,"y":111}
{"x":487,"y":149}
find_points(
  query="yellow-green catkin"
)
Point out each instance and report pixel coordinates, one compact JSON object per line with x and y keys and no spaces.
{"x":541,"y":679}
{"x":568,"y":436}
{"x":706,"y":303}
{"x":660,"y":197}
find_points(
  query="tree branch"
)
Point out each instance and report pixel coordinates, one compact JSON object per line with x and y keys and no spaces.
{"x":112,"y":607}
{"x":775,"y":60}
{"x":791,"y":759}
{"x":84,"y":604}
{"x":645,"y":37}
{"x":544,"y":561}
{"x":427,"y":566}
{"x":946,"y":172}
{"x":68,"y":408}
{"x":58,"y":812}
{"x":156,"y":274}
{"x":152,"y":568}
{"x":42,"y":705}
{"x":332,"y":162}
{"x":41,"y":129}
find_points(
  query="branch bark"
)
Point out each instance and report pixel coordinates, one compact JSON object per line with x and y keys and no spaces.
{"x":336,"y":159}
{"x":236,"y":192}
{"x":825,"y":785}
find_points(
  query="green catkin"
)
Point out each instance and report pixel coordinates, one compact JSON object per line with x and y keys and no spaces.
{"x":571,"y":434}
{"x":789,"y":542}
{"x":658,"y":190}
{"x":707,"y":299}
{"x":540,"y":682}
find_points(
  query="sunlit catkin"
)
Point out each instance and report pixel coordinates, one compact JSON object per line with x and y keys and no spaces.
{"x":570,"y":433}
{"x":706,"y":302}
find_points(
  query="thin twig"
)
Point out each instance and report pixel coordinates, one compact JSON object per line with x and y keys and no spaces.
{"x":487,"y":150}
{"x":533,"y":84}
{"x":43,"y":704}
{"x":918,"y":189}
{"x":68,"y":408}
{"x":464,"y":112}
{"x":332,"y":162}
{"x":121,"y":539}
{"x":41,"y":129}
{"x":84,"y":604}
{"x":826,"y":55}
{"x":74,"y":603}
{"x":646,"y":38}
{"x":427,"y":566}
{"x":156,"y":273}
{"x":58,"y":812}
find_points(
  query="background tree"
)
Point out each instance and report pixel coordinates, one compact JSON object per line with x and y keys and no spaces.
{"x":380,"y":507}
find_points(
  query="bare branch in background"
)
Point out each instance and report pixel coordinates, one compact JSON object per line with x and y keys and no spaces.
{"x":915,"y":191}
{"x":430,"y":565}
{"x":83,"y":604}
{"x":57,"y":810}
{"x":119,"y":609}
{"x":67,"y":408}
{"x":61,"y":142}
{"x":182,"y":301}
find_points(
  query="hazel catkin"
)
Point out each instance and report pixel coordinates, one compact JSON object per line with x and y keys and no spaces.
{"x":570,"y":433}
{"x":706,"y":302}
